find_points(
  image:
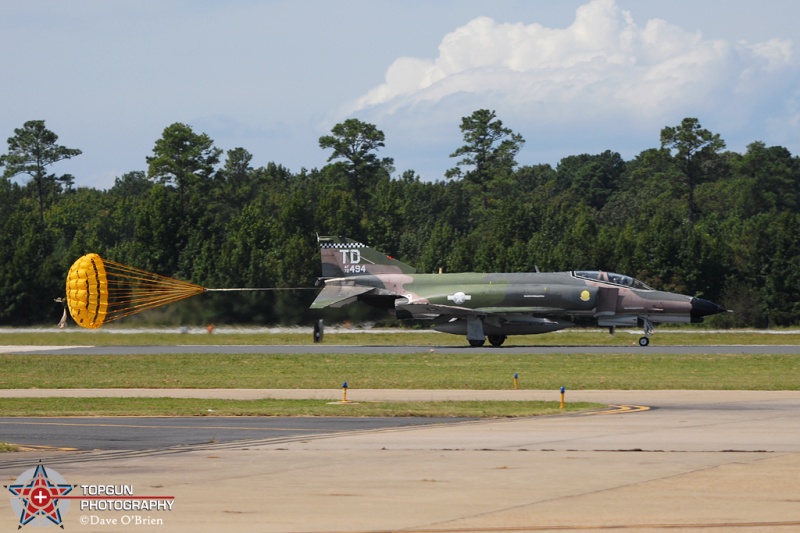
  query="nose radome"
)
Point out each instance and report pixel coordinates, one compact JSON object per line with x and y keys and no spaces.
{"x":701,"y":308}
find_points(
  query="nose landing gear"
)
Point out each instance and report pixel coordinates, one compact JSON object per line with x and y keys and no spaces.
{"x":648,"y":330}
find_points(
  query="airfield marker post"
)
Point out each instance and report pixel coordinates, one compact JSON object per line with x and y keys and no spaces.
{"x":563,"y":390}
{"x":516,"y":381}
{"x":344,"y":392}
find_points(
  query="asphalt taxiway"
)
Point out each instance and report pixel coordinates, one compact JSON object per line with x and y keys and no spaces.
{"x":181,"y":433}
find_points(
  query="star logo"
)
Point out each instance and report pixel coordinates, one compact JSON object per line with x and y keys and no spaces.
{"x":459,"y":298}
{"x":35,"y":495}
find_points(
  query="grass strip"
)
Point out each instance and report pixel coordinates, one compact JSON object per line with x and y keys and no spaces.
{"x":26,"y":407}
{"x":471,"y":370}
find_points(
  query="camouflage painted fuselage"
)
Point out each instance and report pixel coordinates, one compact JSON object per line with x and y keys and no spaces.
{"x":495,"y":304}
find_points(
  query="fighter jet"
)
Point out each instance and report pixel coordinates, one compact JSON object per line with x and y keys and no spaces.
{"x":497,"y":305}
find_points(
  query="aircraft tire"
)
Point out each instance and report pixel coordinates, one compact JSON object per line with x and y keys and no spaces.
{"x":476,"y":343}
{"x":319,"y":328}
{"x":497,"y":340}
{"x":644,"y":341}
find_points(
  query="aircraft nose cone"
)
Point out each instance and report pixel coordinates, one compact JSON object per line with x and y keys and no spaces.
{"x":701,"y":308}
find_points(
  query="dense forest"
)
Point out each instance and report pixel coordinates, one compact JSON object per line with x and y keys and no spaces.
{"x":687,"y":216}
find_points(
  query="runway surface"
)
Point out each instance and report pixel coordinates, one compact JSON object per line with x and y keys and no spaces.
{"x":361,"y":349}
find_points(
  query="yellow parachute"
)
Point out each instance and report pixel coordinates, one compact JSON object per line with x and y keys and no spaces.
{"x":99,"y":291}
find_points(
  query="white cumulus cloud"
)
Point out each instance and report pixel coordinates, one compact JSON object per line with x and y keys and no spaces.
{"x":602,"y":71}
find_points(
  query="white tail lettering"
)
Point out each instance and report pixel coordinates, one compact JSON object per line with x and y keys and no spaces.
{"x":352,"y":257}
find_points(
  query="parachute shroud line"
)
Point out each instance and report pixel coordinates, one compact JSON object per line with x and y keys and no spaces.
{"x":100,"y":291}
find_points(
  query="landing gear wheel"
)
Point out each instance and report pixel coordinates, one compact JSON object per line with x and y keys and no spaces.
{"x":497,"y":340}
{"x":644,"y":341}
{"x":476,"y":343}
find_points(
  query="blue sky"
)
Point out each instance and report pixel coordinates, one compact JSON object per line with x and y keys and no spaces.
{"x":273,"y":76}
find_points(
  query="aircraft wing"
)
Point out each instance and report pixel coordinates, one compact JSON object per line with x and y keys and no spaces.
{"x":434,"y":310}
{"x":537,"y":311}
{"x":339,"y":295}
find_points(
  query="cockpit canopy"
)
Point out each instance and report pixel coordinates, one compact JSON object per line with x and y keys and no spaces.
{"x":610,"y":277}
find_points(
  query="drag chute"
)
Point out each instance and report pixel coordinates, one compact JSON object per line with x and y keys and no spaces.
{"x":99,"y":291}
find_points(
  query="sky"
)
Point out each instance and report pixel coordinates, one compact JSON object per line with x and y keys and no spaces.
{"x":570,"y":76}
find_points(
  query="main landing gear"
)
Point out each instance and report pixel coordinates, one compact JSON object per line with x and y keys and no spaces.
{"x":494,"y":340}
{"x":497,"y":340}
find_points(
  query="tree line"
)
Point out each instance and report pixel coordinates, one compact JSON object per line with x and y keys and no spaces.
{"x":686,"y":216}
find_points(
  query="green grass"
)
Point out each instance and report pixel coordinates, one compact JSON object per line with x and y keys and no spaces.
{"x":471,"y":369}
{"x":272,"y":407}
{"x":425,"y":370}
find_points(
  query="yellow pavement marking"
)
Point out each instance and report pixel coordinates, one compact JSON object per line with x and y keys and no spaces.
{"x":620,"y":409}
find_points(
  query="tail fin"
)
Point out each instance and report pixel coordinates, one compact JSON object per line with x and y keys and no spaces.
{"x":343,"y":257}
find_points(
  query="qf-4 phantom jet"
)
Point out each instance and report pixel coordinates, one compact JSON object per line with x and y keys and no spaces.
{"x":497,"y":305}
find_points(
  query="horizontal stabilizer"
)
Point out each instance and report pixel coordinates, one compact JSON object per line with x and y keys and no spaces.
{"x":339,"y":295}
